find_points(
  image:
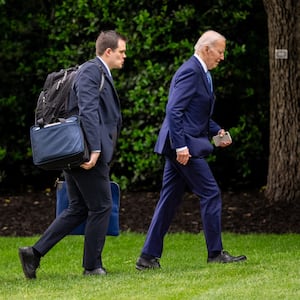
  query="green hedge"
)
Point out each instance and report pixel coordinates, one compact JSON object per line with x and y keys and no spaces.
{"x":39,"y":37}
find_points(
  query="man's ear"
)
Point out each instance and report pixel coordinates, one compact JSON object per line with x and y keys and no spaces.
{"x":108,"y":51}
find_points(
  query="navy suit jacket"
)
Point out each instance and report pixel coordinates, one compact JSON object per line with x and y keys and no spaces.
{"x":99,"y":112}
{"x":188,"y":113}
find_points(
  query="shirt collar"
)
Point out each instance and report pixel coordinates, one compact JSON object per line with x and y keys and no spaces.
{"x":201,"y":62}
{"x":105,"y":65}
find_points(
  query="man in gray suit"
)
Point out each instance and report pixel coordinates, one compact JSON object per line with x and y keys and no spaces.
{"x":88,"y":186}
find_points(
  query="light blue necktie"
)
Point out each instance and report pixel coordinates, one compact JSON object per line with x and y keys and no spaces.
{"x":209,"y":79}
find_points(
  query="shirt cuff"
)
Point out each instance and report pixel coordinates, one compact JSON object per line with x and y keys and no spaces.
{"x":181,"y":148}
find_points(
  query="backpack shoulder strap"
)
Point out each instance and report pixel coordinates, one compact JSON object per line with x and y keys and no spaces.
{"x":96,"y":61}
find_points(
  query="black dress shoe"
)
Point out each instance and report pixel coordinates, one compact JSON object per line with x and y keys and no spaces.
{"x":98,"y":271}
{"x":143,"y":264}
{"x":225,"y":257}
{"x":30,"y":262}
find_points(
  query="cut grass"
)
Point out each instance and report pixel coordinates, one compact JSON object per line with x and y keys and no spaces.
{"x":272,"y":270}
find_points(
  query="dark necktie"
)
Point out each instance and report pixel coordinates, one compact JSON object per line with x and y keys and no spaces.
{"x":209,"y":79}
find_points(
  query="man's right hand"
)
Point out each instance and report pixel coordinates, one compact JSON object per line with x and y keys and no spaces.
{"x":92,"y":162}
{"x":183,"y":156}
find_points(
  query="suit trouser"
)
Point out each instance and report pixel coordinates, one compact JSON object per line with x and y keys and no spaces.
{"x":90,"y":199}
{"x":200,"y":180}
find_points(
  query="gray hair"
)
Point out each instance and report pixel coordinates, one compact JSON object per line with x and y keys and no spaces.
{"x":208,"y":38}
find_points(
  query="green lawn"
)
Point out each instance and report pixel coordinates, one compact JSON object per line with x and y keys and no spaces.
{"x":271,"y":272}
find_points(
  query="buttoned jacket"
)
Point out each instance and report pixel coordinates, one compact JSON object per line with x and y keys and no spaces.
{"x":189,"y":110}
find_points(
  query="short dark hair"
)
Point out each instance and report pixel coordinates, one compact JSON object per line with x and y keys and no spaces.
{"x":108,"y":39}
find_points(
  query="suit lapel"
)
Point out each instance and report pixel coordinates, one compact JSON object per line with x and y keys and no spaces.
{"x":203,"y":75}
{"x":116,"y":96}
{"x":109,"y":80}
{"x":207,"y":87}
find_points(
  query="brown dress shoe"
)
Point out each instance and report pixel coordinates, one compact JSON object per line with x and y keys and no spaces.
{"x":29,"y":261}
{"x":225,"y":257}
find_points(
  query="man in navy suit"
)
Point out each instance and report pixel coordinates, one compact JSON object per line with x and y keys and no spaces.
{"x":184,"y":140}
{"x":88,"y":186}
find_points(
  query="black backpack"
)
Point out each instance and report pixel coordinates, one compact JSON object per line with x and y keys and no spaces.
{"x":52,"y":104}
